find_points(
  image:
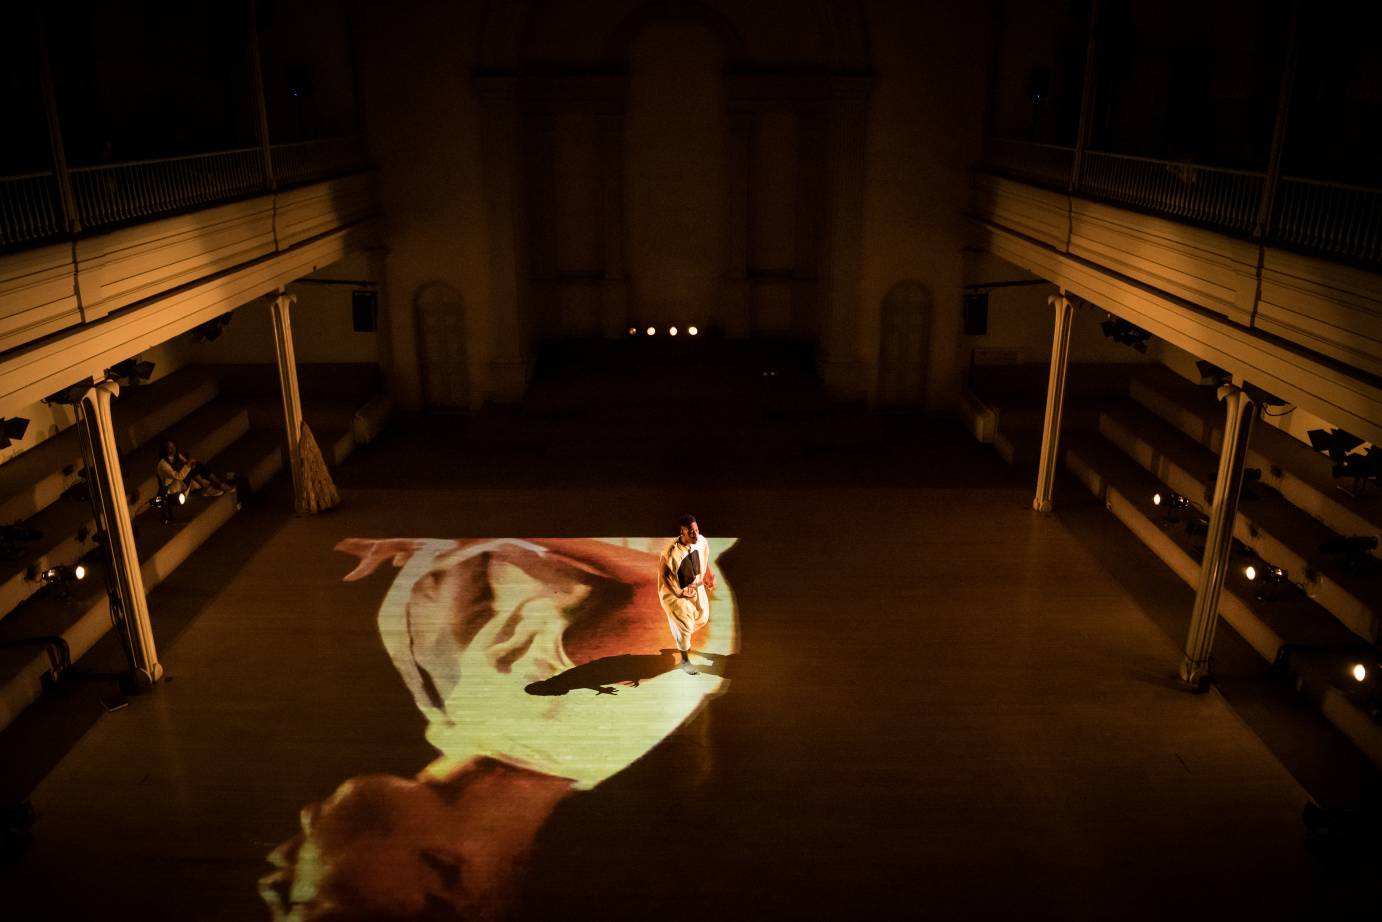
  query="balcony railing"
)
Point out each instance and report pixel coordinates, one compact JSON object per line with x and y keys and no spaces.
{"x":309,"y":161}
{"x":121,"y":193}
{"x":1221,"y":198}
{"x":1330,"y":219}
{"x":29,"y":208}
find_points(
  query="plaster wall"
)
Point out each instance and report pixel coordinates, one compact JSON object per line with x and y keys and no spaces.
{"x":423,"y":120}
{"x":924,"y":133}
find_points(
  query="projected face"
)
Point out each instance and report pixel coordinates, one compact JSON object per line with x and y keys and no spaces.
{"x":472,"y":625}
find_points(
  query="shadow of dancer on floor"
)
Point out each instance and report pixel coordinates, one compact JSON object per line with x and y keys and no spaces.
{"x":601,"y":675}
{"x":470,"y":624}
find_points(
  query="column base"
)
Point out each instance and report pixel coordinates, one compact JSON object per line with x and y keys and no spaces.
{"x":1195,"y":677}
{"x":148,"y":677}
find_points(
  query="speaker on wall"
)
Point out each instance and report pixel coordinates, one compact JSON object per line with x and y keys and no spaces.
{"x":364,"y":307}
{"x":976,"y":313}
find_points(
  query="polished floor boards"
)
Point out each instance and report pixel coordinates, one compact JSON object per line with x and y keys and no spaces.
{"x":943,"y":706}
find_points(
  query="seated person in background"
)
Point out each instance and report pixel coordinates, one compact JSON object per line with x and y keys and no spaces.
{"x":177,"y":472}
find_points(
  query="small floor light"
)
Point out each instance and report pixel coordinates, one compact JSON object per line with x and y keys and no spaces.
{"x":691,"y":331}
{"x":672,"y":331}
{"x":652,"y":330}
{"x":1360,"y":672}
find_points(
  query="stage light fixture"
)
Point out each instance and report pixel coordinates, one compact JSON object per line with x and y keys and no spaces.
{"x":132,"y":371}
{"x":12,"y":429}
{"x":1170,"y":502}
{"x":1128,"y":334}
{"x":691,"y":331}
{"x":1250,"y":572}
{"x":166,"y":503}
{"x":211,"y":329}
{"x":652,"y":330}
{"x":1360,"y":672}
{"x":633,"y":331}
{"x":63,"y":573}
{"x":1275,"y":582}
{"x":672,"y":331}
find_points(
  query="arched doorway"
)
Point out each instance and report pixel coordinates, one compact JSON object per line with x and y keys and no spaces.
{"x":905,"y":340}
{"x":441,"y":346}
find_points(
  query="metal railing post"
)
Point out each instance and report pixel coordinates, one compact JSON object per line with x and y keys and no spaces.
{"x":261,"y":111}
{"x":71,"y":217}
{"x":1265,"y":205}
{"x":1091,"y":60}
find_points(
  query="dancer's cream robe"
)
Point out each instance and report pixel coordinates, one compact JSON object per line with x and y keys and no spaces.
{"x":684,"y":616}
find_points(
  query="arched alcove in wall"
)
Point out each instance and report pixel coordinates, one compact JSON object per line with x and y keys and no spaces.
{"x":904,"y":341}
{"x":441,"y":345}
{"x":675,"y":134}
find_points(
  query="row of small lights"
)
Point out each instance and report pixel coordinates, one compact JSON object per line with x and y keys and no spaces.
{"x":1274,"y":573}
{"x":671,"y":331}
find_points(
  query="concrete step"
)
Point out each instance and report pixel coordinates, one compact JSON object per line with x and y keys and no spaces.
{"x":33,"y":480}
{"x":81,"y":618}
{"x":203,"y":435}
{"x":1293,"y":469}
{"x":1279,"y":532}
{"x":1293,"y":631}
{"x":68,"y":526}
{"x":68,"y":532}
{"x":141,"y":412}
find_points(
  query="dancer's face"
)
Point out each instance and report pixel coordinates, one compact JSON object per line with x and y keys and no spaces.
{"x":377,"y":844}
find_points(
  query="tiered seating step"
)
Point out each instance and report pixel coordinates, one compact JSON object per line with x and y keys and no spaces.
{"x":1300,"y":474}
{"x":35,"y":479}
{"x":83,"y":617}
{"x":1292,"y":630}
{"x":1279,"y":532}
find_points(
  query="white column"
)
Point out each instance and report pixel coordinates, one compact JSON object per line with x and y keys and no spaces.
{"x":129,"y":607}
{"x":281,"y":309}
{"x":1055,"y":402}
{"x":1199,"y":643}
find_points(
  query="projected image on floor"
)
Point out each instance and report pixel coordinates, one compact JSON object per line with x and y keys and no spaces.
{"x":542,"y":667}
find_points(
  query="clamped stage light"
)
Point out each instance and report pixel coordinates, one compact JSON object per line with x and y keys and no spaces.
{"x":131,"y":371}
{"x":12,"y":429}
{"x":1170,"y":502}
{"x":167,"y":504}
{"x":61,"y":576}
{"x":1272,"y":581}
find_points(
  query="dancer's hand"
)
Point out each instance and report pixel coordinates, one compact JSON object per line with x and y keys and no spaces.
{"x":373,"y":552}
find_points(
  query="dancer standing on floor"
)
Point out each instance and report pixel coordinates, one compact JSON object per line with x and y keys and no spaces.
{"x":684,"y":581}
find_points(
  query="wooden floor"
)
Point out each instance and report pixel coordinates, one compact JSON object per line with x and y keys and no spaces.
{"x":943,"y":706}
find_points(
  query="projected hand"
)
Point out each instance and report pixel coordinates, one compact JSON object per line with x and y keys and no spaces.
{"x":373,"y":552}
